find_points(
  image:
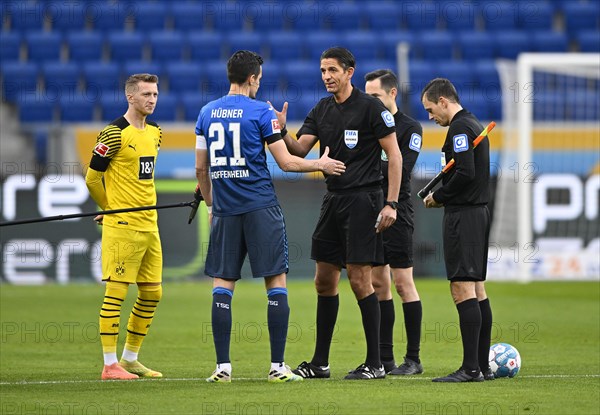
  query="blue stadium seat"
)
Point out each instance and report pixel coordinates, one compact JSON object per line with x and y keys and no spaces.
{"x":78,"y":108}
{"x":510,"y":43}
{"x":205,"y":45}
{"x":589,"y":40}
{"x":416,"y":109}
{"x":85,"y":46}
{"x":486,"y":75}
{"x":244,"y":41}
{"x":215,"y":83}
{"x":458,"y":16}
{"x":302,"y":75}
{"x":305,"y":17}
{"x":420,"y":73}
{"x":583,"y":105}
{"x":113,"y":104}
{"x":10,"y":46}
{"x":499,"y":16}
{"x":363,"y":67}
{"x":18,"y":78}
{"x":391,"y":39}
{"x":43,"y":46}
{"x":363,"y":44}
{"x":192,"y":102}
{"x":549,"y":41}
{"x":167,"y":45}
{"x":317,"y":42}
{"x":437,"y":45}
{"x":167,"y":108}
{"x":66,"y":16}
{"x":126,"y":46}
{"x":475,"y":102}
{"x":382,"y":16}
{"x":420,"y":15}
{"x":535,"y":15}
{"x":61,"y":79}
{"x":341,"y":16}
{"x":228,"y":17}
{"x":285,"y":45}
{"x":267,"y":16}
{"x":110,"y":16}
{"x":184,"y":76}
{"x":100,"y":77}
{"x":25,"y":16}
{"x":133,"y":67}
{"x":581,"y":16}
{"x":188,"y":16}
{"x":36,"y":108}
{"x":149,"y":17}
{"x":271,"y":74}
{"x":461,"y":74}
{"x":475,"y":45}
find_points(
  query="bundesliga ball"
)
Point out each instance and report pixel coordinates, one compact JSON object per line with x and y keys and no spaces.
{"x":505,"y":360}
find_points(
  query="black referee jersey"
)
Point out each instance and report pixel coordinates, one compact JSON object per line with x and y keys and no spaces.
{"x":409,"y":134}
{"x":351,"y":130}
{"x":467,"y":183}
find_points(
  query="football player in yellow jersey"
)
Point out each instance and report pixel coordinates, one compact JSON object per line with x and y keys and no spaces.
{"x":121,"y":175}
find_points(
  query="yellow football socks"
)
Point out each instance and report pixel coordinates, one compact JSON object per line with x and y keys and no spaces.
{"x":110,"y":314}
{"x":141,"y":316}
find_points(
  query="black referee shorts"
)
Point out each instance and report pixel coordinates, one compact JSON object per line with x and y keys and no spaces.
{"x":466,"y":235}
{"x":345,"y":232}
{"x":398,"y":239}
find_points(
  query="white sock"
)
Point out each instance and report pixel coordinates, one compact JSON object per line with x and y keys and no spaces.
{"x":129,"y":355}
{"x":110,"y":358}
{"x":278,"y":366}
{"x":225,"y":367}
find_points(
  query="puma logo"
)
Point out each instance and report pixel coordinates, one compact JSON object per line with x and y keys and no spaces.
{"x":132,"y":146}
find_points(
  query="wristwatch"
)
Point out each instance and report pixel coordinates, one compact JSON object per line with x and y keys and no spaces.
{"x":392,"y":204}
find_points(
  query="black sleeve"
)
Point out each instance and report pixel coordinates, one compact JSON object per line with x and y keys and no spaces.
{"x":463,"y":172}
{"x":382,"y":121}
{"x":99,"y":163}
{"x":409,"y":156}
{"x":310,"y":124}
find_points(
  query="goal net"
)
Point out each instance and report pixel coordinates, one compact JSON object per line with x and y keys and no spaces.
{"x":545,"y":219}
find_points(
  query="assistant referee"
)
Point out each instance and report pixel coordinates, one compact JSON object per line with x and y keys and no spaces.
{"x":464,"y":196}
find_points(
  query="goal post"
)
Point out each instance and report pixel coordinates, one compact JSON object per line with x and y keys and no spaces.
{"x":545,"y":222}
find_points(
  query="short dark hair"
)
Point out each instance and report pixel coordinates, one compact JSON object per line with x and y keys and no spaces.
{"x":344,"y":57}
{"x":440,"y":87}
{"x":242,"y":64}
{"x":386,"y":77}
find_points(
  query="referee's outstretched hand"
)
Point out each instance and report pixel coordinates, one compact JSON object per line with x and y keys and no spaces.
{"x":330,"y":166}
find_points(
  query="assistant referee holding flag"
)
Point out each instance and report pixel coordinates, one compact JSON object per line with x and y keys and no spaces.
{"x":464,"y":196}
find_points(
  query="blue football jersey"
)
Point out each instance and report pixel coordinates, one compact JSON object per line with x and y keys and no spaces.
{"x":235,"y":128}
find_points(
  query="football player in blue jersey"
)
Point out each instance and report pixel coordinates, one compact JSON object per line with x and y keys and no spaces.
{"x":234,"y":179}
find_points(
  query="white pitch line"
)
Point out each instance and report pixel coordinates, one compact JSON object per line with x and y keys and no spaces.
{"x":65,"y":382}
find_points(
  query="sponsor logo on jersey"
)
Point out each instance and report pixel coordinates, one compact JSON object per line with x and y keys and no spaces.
{"x":351,"y":138}
{"x":101,"y":149}
{"x":415,"y":142}
{"x":461,"y":143}
{"x":275,"y":126}
{"x":388,"y":118}
{"x":443,"y":160}
{"x":383,"y":156}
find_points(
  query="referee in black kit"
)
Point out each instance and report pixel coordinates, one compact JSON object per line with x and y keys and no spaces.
{"x":356,"y":127}
{"x":397,"y":240}
{"x":464,"y":196}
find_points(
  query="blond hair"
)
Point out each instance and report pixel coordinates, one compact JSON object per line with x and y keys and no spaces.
{"x":135,"y":79}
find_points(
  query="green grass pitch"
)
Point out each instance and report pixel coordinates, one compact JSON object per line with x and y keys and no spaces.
{"x":50,"y":355}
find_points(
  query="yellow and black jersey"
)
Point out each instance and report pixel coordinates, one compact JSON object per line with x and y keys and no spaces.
{"x":128,"y":156}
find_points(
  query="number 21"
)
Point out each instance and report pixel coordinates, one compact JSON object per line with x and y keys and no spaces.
{"x":217,"y":129}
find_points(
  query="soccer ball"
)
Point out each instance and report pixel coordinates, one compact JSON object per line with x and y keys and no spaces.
{"x":505,"y":360}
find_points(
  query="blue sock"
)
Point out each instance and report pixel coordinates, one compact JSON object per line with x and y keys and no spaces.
{"x":221,"y":322}
{"x":278,"y":316}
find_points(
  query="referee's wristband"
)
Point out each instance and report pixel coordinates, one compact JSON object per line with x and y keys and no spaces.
{"x":284,"y":132}
{"x":209,"y":209}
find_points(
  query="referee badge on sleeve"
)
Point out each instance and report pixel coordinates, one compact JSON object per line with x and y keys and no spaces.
{"x":461,"y":143}
{"x":388,"y":118}
{"x":415,"y":142}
